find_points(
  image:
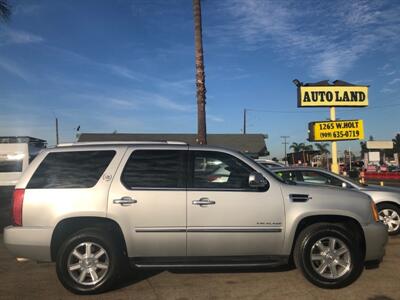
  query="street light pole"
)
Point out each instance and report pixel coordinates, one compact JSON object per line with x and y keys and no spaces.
{"x":284,"y":137}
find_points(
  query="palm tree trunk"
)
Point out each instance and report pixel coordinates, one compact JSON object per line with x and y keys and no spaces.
{"x":200,"y":76}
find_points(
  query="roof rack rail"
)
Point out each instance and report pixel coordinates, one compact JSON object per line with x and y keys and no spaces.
{"x":120,"y":143}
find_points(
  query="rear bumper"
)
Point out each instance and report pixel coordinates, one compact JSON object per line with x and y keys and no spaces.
{"x":29,"y":242}
{"x":376,"y":238}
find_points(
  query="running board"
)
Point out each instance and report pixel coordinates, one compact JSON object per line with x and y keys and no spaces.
{"x":209,"y":262}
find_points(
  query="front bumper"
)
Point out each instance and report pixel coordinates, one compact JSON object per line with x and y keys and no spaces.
{"x":376,"y":238}
{"x":29,"y":242}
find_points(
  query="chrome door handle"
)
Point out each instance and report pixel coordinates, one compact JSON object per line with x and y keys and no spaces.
{"x":124,"y":201}
{"x":203,"y":201}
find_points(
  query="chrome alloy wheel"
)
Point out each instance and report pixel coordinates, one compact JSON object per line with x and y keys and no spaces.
{"x":330,"y":258}
{"x":88,"y":263}
{"x":390,"y":218}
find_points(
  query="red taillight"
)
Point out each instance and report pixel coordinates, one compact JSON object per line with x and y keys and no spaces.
{"x":18,"y":201}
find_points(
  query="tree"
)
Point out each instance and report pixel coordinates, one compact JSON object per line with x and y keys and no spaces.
{"x":322,"y":148}
{"x":308,"y":147}
{"x":364,"y":149}
{"x":5,"y":10}
{"x":200,"y":76}
{"x":297,"y":147}
{"x":396,"y":143}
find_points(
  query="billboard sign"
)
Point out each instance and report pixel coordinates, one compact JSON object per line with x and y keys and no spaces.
{"x":332,"y":96}
{"x":379,"y":144}
{"x":336,"y":130}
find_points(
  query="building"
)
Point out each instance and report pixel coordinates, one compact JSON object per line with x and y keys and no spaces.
{"x":249,"y":144}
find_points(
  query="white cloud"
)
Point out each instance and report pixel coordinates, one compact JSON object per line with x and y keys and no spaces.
{"x":168,"y":104}
{"x":214,"y":118}
{"x":14,"y":69}
{"x":394,"y":81}
{"x":329,"y":36}
{"x":387,"y":90}
{"x":122,"y":71}
{"x":27,"y":9}
{"x":13,"y":36}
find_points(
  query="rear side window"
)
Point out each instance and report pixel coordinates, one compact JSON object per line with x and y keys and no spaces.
{"x":78,"y":169}
{"x":155,"y":169}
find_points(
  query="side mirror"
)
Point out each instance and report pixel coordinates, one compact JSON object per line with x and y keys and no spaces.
{"x":256,"y":180}
{"x":344,"y":185}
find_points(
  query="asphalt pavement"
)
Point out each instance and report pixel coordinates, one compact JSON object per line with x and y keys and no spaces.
{"x":31,"y":280}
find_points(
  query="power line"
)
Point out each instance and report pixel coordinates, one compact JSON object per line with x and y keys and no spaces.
{"x":319,"y":111}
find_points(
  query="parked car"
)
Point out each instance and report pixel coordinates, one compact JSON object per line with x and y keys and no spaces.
{"x":387,"y":199}
{"x":269,"y":163}
{"x":93,"y":208}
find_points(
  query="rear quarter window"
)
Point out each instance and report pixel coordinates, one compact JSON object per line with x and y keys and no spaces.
{"x":74,"y":169}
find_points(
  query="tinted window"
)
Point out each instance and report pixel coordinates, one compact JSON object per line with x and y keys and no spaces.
{"x":78,"y":169}
{"x":218,"y":170}
{"x":155,"y":169}
{"x":7,"y":166}
{"x":320,"y":178}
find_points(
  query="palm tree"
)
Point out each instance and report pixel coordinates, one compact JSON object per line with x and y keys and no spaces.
{"x":323,"y":150}
{"x":200,"y":77}
{"x":297,"y":147}
{"x":5,"y":10}
{"x":396,"y":143}
{"x":308,"y":147}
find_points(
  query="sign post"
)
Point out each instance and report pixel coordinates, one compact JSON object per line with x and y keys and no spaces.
{"x":338,"y":94}
{"x":334,"y":165}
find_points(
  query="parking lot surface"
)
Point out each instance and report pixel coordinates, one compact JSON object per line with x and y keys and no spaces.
{"x":30,"y":280}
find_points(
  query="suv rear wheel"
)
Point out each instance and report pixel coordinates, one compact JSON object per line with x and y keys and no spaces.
{"x":87,"y":262}
{"x":328,"y":255}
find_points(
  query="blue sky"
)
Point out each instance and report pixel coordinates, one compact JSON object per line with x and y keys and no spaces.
{"x":129,"y":66}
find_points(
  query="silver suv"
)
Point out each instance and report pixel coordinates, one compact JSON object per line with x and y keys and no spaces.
{"x":92,"y":208}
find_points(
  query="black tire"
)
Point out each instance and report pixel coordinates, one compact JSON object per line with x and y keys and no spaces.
{"x":391,"y":207}
{"x":303,"y":250}
{"x":100,"y":238}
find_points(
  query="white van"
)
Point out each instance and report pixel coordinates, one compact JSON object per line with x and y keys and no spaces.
{"x":15,"y":155}
{"x":16,"y":152}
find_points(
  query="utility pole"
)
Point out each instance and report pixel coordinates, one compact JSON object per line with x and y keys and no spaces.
{"x":244,"y":120}
{"x":57,"y":140}
{"x":349,"y":159}
{"x":200,"y":76}
{"x":285,"y":137}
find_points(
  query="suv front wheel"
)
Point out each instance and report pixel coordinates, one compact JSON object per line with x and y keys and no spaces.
{"x":87,"y":262}
{"x":328,"y":255}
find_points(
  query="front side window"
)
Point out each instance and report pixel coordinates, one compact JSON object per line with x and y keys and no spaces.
{"x":217,"y":170}
{"x":74,"y":169}
{"x":155,"y":169}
